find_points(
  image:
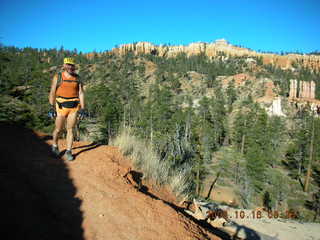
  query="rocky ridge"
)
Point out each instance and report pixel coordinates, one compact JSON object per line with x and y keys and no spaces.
{"x":220,"y":46}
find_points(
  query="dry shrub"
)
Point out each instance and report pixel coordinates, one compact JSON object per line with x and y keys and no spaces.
{"x":180,"y":184}
{"x":145,"y":159}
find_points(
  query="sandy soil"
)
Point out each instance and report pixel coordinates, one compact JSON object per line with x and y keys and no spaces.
{"x":97,"y":196}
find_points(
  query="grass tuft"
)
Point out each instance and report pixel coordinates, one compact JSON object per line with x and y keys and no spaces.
{"x":145,"y":159}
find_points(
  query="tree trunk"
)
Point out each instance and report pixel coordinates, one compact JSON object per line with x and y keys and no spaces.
{"x":315,"y":215}
{"x":237,"y":173}
{"x":212,"y":185}
{"x":243,"y":139}
{"x":198,"y":180}
{"x":109,"y":131}
{"x":307,"y":179}
{"x":124,"y":116}
{"x":300,"y":167}
{"x":151,"y":129}
{"x":242,"y":143}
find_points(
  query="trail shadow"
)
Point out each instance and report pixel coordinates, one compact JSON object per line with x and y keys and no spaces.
{"x":137,"y":177}
{"x":88,"y":145}
{"x":87,"y":148}
{"x":37,"y":195}
{"x":249,"y":233}
{"x":45,"y":137}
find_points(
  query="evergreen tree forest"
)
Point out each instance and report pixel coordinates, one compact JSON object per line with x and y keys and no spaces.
{"x":192,"y":111}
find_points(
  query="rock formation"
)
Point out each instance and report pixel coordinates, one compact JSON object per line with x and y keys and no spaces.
{"x":276,"y":109}
{"x":306,"y":89}
{"x":312,"y":90}
{"x":293,"y":93}
{"x":216,"y":48}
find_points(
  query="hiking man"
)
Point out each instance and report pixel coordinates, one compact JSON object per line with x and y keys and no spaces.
{"x":67,"y":102}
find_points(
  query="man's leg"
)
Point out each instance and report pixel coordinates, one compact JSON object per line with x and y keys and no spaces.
{"x":55,"y":135}
{"x":71,"y":122}
{"x":58,"y":127}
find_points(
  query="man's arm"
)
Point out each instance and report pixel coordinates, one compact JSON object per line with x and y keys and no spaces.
{"x":81,"y":96}
{"x":52,"y":94}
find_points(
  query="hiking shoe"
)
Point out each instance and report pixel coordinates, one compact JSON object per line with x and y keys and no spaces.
{"x":69,"y":155}
{"x":55,"y":150}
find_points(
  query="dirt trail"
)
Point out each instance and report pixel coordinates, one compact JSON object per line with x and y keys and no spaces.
{"x":89,"y":198}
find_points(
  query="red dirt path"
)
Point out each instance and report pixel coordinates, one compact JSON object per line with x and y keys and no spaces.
{"x":89,"y":198}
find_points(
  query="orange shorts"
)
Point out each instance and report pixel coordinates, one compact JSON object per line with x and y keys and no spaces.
{"x":65,"y":111}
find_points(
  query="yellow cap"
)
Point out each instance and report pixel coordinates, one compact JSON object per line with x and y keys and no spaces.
{"x":69,"y":61}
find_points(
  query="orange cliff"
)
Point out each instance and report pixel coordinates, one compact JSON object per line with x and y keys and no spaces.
{"x":216,"y":48}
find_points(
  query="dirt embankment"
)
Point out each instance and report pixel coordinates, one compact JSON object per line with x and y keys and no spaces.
{"x":93,"y":197}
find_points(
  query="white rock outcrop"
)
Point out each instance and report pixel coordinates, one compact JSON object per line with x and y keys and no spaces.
{"x":275,"y":109}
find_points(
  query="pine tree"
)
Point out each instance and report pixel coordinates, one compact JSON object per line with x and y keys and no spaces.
{"x":231,"y":95}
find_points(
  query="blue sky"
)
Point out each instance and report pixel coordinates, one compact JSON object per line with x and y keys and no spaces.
{"x":98,"y":25}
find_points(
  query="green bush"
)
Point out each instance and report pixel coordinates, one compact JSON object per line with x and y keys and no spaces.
{"x":14,"y":111}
